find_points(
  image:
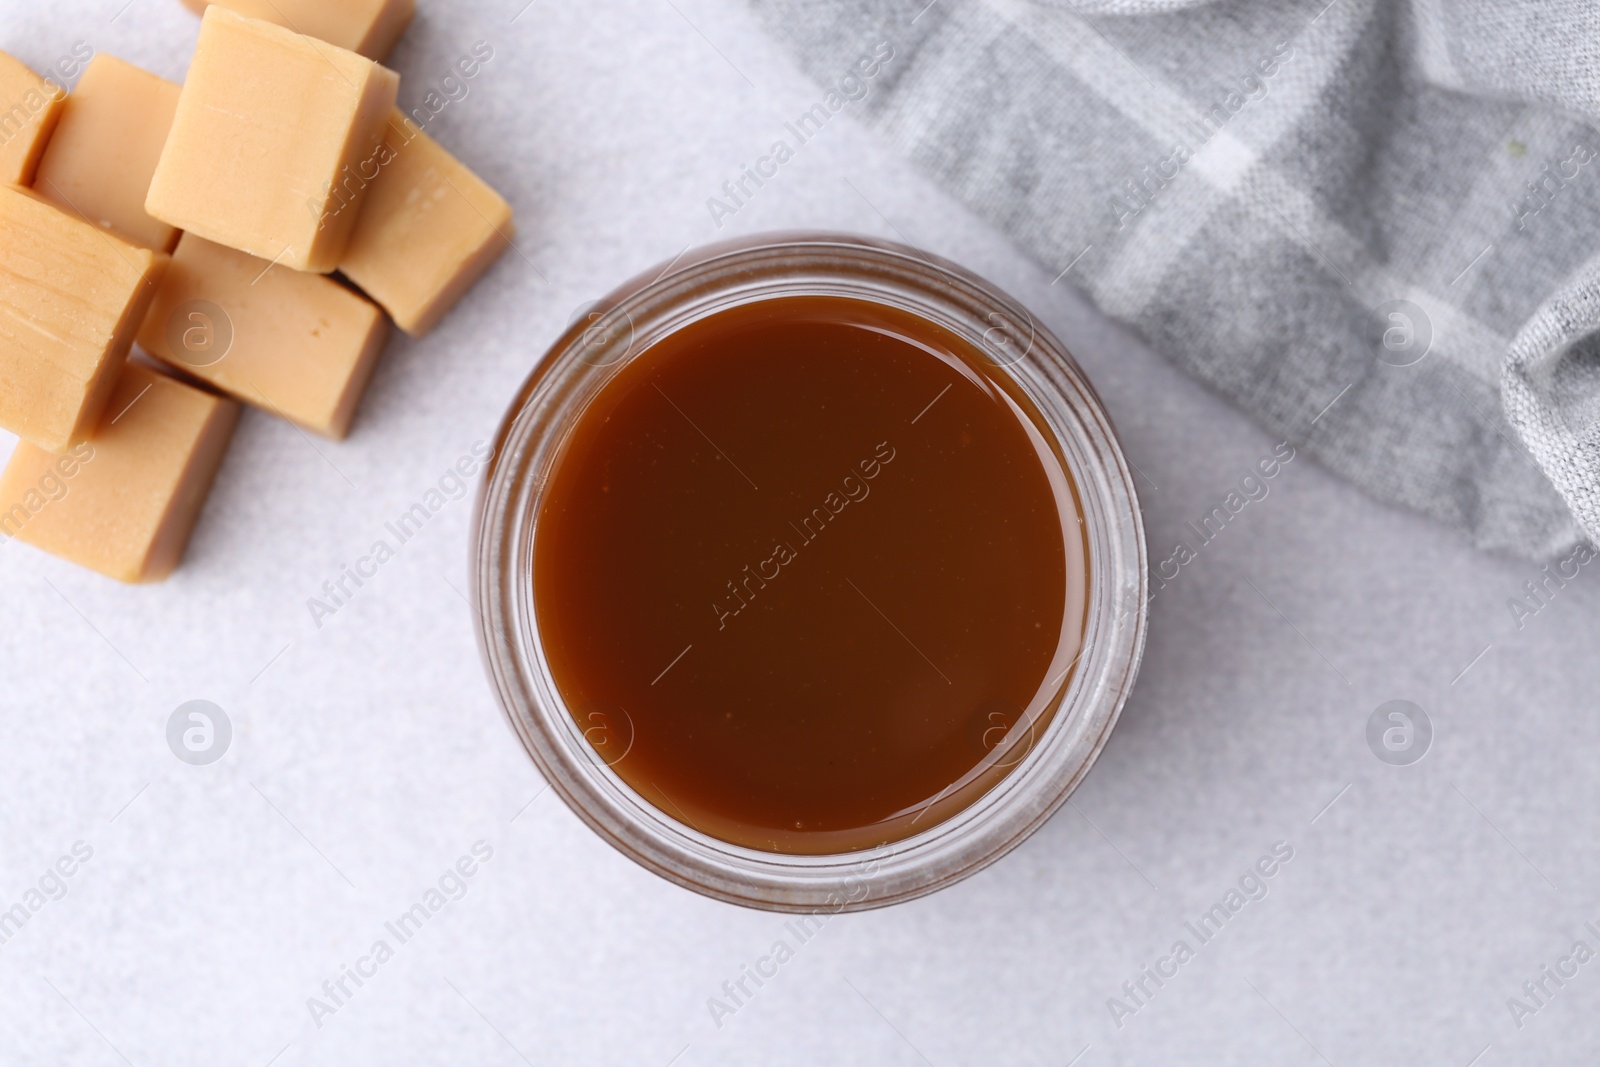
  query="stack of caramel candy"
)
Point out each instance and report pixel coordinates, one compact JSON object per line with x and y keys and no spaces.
{"x":254,"y":230}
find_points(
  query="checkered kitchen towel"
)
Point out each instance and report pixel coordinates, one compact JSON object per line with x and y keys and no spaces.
{"x":1374,"y":224}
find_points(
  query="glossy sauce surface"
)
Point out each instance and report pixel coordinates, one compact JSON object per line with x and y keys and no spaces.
{"x":809,"y":575}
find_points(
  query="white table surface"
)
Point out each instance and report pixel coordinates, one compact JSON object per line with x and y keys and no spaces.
{"x":369,"y":755}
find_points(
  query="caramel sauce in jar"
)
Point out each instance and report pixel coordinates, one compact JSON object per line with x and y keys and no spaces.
{"x":809,"y":574}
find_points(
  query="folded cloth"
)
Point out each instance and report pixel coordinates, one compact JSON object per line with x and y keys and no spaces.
{"x":1371,"y":223}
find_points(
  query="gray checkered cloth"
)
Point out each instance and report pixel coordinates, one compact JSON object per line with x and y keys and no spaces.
{"x":1370,"y":223}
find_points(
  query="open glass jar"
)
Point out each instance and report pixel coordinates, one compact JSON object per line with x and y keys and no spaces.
{"x":579,"y":749}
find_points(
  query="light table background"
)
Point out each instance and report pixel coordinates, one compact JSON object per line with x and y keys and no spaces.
{"x":369,"y":755}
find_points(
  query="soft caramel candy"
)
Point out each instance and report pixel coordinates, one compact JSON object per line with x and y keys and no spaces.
{"x":100,"y":159}
{"x":124,"y":502}
{"x":370,"y":27}
{"x":71,"y":298}
{"x":429,"y":228}
{"x":299,"y":345}
{"x":29,"y":109}
{"x":269,"y":131}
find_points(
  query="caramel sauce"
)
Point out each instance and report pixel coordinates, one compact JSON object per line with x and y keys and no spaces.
{"x":809,"y":574}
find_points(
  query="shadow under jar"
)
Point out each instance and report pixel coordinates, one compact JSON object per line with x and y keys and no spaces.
{"x":809,"y":572}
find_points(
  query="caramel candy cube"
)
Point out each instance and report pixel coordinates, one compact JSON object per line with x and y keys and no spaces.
{"x":266,"y":141}
{"x":299,"y":345}
{"x":124,"y":502}
{"x":29,"y":110}
{"x":429,"y":229}
{"x":71,"y":298}
{"x":370,"y":27}
{"x":100,"y":159}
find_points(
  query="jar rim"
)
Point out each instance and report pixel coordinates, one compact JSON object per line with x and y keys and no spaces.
{"x":609,"y":333}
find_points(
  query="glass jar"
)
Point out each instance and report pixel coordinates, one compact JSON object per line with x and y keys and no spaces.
{"x":577,"y":757}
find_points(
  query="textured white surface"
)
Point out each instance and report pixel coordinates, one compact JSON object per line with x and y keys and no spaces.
{"x":368,"y":755}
